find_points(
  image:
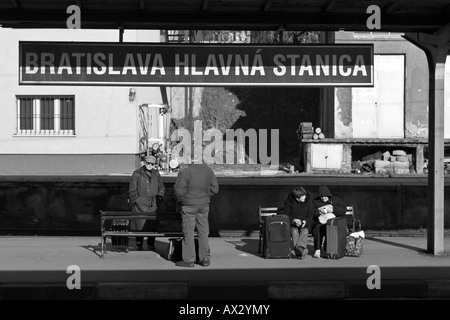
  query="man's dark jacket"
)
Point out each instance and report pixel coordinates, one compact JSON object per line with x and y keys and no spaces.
{"x":299,"y":210}
{"x":144,"y":188}
{"x":195,"y":185}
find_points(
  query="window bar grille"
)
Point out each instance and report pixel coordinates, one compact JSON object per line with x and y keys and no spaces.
{"x":57,"y":116}
{"x":18,"y":128}
{"x":62,"y":116}
{"x":71,"y":116}
{"x":45,"y":116}
{"x":67,"y":116}
{"x":22,"y":116}
{"x":25,"y":116}
{"x":48,"y":115}
{"x":29,"y":111}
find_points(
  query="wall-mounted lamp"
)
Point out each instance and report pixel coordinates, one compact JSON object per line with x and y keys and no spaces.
{"x":132,"y":95}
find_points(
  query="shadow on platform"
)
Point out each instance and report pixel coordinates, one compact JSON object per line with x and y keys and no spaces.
{"x":400,"y":245}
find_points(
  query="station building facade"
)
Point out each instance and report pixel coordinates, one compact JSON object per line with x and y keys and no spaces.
{"x":60,"y":130}
{"x":96,"y":131}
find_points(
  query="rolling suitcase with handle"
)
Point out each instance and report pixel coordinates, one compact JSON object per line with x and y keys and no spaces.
{"x":277,"y":237}
{"x":336,"y":238}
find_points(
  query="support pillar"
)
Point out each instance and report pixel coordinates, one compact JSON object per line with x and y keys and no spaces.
{"x":327,"y":111}
{"x":121,"y":30}
{"x":436,"y":48}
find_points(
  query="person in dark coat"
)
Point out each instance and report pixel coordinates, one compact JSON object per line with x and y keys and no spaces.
{"x":324,"y":203}
{"x":146,"y":190}
{"x":194,"y":187}
{"x":298,"y":207}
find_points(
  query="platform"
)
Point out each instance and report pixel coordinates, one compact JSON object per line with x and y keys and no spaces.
{"x":37,"y":268}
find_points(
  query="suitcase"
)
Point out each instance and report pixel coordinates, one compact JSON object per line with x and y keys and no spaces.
{"x":174,"y":250}
{"x":277,"y":237}
{"x":120,"y":243}
{"x":336,"y":238}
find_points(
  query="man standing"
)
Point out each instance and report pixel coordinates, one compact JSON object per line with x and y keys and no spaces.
{"x":194,"y":187}
{"x":146,"y":187}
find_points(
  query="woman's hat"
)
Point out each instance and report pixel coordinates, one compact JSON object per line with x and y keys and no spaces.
{"x":150,"y":159}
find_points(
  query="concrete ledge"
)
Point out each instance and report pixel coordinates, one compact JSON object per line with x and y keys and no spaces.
{"x":438,"y":288}
{"x":228,"y":291}
{"x":306,"y":290}
{"x":46,"y":291}
{"x":388,"y":289}
{"x":274,"y":290}
{"x":142,"y":291}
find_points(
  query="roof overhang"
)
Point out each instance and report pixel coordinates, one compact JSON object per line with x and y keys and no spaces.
{"x":315,"y":15}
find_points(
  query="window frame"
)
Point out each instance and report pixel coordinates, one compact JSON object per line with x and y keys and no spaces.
{"x":37,"y":121}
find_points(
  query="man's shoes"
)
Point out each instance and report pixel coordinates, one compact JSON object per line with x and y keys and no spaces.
{"x":151,"y":244}
{"x":304,"y":254}
{"x":205,"y":262}
{"x":184,"y":264}
{"x":301,"y":253}
{"x":139,"y":242}
{"x":317,"y":254}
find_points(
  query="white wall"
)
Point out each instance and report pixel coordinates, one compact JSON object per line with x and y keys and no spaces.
{"x":378,"y":112}
{"x":447,"y":99}
{"x":416,"y":83}
{"x":105,"y":121}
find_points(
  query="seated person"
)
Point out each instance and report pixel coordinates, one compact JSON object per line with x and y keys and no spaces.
{"x":298,"y":207}
{"x":324,"y":204}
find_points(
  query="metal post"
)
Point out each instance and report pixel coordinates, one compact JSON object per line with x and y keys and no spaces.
{"x":436,"y":48}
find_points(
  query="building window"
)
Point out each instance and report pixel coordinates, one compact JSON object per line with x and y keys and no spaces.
{"x":46,"y":115}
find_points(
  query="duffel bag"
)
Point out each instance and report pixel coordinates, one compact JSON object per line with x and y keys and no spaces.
{"x":354,"y":246}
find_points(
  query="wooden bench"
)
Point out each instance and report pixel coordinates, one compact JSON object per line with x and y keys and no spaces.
{"x":128,"y":215}
{"x":353,"y":224}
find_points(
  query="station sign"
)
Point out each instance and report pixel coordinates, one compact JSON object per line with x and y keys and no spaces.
{"x":152,"y":64}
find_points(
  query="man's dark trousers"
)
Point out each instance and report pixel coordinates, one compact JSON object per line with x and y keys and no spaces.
{"x":193,"y":216}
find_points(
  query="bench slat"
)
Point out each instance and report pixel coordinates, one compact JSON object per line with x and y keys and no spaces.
{"x":108,"y":217}
{"x":139,"y":234}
